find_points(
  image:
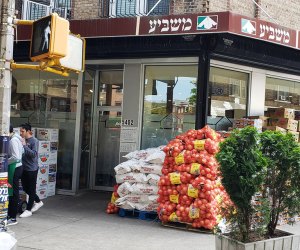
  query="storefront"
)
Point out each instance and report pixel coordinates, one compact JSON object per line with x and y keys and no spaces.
{"x":146,"y":83}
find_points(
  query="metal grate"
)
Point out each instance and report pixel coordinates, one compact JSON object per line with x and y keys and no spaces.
{"x":32,"y":10}
{"x":129,"y":8}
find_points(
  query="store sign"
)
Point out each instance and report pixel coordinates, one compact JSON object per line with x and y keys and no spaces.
{"x":219,"y":22}
{"x":267,"y":31}
{"x":185,"y":24}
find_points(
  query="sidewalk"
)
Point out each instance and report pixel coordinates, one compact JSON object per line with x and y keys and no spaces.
{"x":80,"y":222}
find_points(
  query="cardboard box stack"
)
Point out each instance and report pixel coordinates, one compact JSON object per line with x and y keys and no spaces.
{"x":283,"y":119}
{"x":47,"y":154}
{"x":244,"y":122}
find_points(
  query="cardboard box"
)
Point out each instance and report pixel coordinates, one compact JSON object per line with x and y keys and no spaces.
{"x":235,"y":113}
{"x":51,"y":189}
{"x":44,"y":146}
{"x":53,"y":146}
{"x":52,"y":168}
{"x":261,"y":117}
{"x":275,"y":128}
{"x":284,"y":123}
{"x":47,"y":134}
{"x":51,"y":178}
{"x":244,"y":122}
{"x":47,"y":158}
{"x":42,"y":178}
{"x":43,"y":158}
{"x":295,"y":135}
{"x":42,"y":192}
{"x":297,"y":115}
{"x":281,"y":113}
{"x":52,"y":157}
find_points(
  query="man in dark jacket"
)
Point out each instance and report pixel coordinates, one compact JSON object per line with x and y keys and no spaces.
{"x":30,"y":170}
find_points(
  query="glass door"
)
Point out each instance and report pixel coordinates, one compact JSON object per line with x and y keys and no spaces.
{"x":107,"y":128}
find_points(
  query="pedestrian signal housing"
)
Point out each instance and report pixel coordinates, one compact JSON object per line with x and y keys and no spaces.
{"x":49,"y":38}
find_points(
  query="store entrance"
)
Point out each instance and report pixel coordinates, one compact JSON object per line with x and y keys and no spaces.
{"x":107,"y":128}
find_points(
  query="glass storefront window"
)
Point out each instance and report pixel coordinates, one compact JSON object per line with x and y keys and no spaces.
{"x":227,"y":98}
{"x":169,"y":102}
{"x":282,"y":93}
{"x":48,"y":100}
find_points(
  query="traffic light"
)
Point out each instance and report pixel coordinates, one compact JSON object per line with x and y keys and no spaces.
{"x":49,"y":38}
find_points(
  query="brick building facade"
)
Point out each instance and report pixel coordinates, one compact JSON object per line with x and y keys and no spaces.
{"x":283,"y":14}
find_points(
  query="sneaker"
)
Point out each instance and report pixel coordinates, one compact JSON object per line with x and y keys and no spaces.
{"x":11,"y":222}
{"x":37,"y":206}
{"x":25,"y":214}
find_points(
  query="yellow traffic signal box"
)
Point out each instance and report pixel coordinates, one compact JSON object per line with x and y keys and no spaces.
{"x":49,"y":38}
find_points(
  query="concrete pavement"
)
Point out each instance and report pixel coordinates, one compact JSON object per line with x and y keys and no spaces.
{"x":80,"y":222}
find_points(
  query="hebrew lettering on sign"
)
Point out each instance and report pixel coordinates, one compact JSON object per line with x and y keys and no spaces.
{"x":173,"y":25}
{"x":271,"y":33}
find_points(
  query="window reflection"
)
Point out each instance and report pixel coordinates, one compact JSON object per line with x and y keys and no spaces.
{"x":227,"y":99}
{"x":282,"y":93}
{"x":169,"y":103}
{"x":48,"y":101}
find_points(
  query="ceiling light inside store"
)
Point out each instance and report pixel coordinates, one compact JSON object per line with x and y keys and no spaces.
{"x":91,"y":91}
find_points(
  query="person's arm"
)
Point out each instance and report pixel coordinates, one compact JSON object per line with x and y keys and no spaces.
{"x":32,"y":149}
{"x":13,"y":149}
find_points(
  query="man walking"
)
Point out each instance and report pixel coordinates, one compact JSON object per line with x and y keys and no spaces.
{"x":30,"y":170}
{"x":15,"y":152}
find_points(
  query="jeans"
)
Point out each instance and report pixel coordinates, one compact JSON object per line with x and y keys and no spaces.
{"x":14,"y":199}
{"x":29,"y":186}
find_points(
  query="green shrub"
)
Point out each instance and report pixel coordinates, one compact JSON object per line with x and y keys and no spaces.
{"x":282,"y":184}
{"x":243,"y":170}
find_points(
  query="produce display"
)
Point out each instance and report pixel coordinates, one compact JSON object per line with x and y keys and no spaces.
{"x":190,"y":189}
{"x":111,"y":206}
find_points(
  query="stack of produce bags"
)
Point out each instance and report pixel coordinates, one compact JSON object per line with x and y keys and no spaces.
{"x":138,"y":179}
{"x":190,"y":189}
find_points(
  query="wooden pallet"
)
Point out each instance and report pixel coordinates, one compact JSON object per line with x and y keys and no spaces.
{"x":142,"y":215}
{"x":186,"y":227}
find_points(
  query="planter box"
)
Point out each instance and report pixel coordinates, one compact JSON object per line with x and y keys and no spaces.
{"x":290,"y":242}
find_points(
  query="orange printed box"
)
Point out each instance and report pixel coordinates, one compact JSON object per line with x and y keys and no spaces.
{"x":281,"y":113}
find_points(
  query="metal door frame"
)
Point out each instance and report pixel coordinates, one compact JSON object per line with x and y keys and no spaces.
{"x":95,"y":129}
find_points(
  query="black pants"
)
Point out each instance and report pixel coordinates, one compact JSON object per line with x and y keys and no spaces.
{"x":29,"y":186}
{"x":14,"y":199}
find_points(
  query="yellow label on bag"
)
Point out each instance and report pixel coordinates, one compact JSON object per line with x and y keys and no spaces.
{"x":194,"y":212}
{"x":219,"y":218}
{"x":113,"y":198}
{"x":192,"y":192}
{"x":175,"y":178}
{"x":179,"y":159}
{"x":174,"y":198}
{"x":199,"y":144}
{"x":219,"y":199}
{"x":173,"y":217}
{"x":195,"y":169}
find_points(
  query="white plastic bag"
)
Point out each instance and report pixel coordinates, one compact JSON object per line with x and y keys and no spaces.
{"x":125,"y":167}
{"x":124,"y":189}
{"x":147,"y":168}
{"x":136,"y":198}
{"x":141,"y":188}
{"x":156,"y":157}
{"x":131,"y":178}
{"x":7,"y":241}
{"x":153,"y":179}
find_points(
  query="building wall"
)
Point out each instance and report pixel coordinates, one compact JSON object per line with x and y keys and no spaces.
{"x":88,"y":9}
{"x":285,"y":13}
{"x":187,"y":6}
{"x":236,"y":6}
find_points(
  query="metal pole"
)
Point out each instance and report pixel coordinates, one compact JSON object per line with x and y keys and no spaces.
{"x":6,"y":56}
